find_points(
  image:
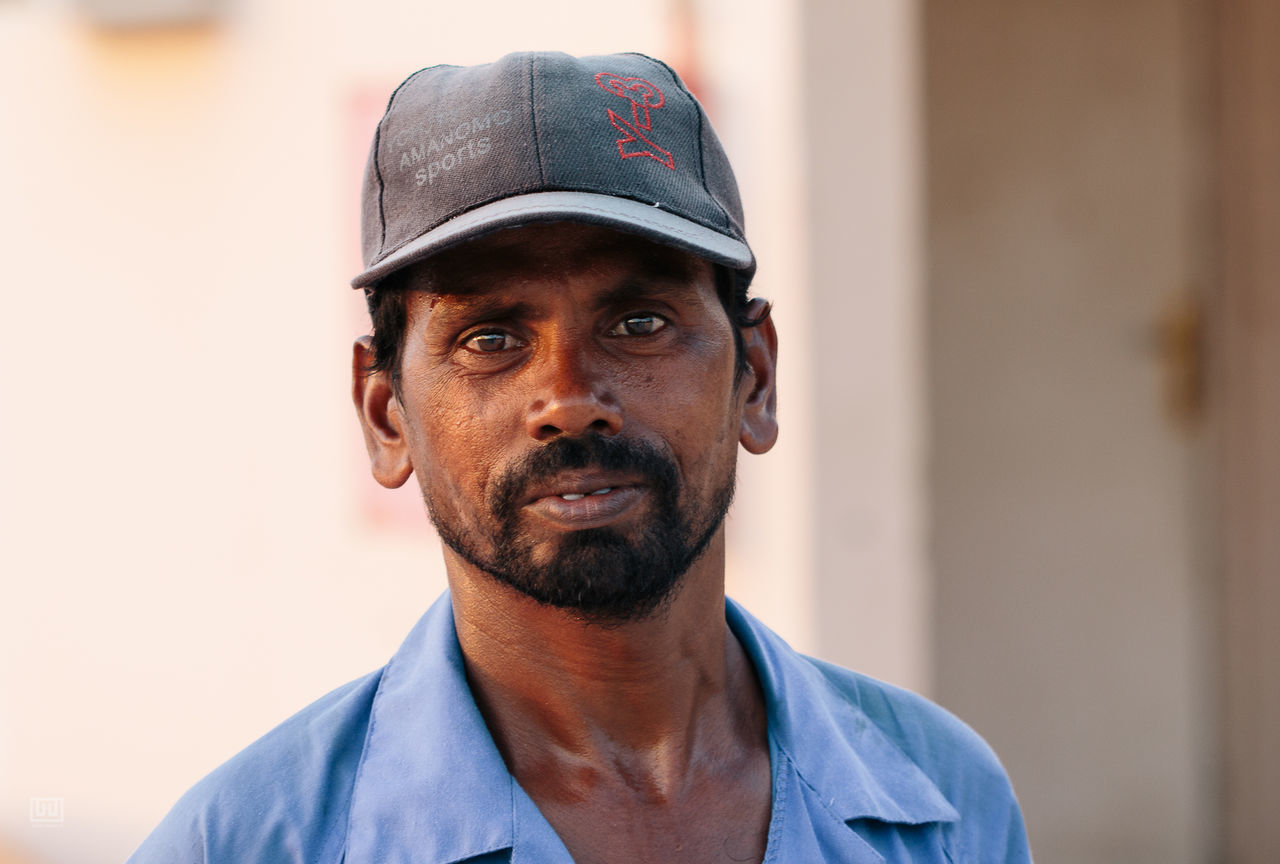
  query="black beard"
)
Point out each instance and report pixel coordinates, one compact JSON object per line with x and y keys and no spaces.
{"x":597,"y":572}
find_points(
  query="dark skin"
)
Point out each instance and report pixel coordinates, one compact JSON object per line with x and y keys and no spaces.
{"x":643,"y":740}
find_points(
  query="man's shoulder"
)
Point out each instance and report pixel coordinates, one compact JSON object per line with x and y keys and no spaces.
{"x":878,"y":722}
{"x":955,"y":758}
{"x":934,"y":738}
{"x":283,"y":798}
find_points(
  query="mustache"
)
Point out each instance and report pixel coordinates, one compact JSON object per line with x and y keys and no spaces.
{"x":623,"y":455}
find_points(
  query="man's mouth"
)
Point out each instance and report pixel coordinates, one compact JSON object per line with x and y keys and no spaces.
{"x":575,"y":501}
{"x":577,"y":485}
{"x":575,"y":496}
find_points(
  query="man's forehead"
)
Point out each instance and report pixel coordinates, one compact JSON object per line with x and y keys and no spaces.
{"x":549,"y":250}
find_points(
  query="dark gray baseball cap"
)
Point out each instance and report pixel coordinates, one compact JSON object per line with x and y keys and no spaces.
{"x":614,"y":140}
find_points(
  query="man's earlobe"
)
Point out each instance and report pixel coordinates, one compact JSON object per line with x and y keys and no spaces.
{"x":760,"y":413}
{"x":381,"y":418}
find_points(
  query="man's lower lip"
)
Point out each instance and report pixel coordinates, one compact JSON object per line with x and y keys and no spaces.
{"x":590,"y":511}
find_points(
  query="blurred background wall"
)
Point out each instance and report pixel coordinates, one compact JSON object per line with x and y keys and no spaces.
{"x":1102,"y":210}
{"x":1021,"y":256}
{"x":1068,"y":216}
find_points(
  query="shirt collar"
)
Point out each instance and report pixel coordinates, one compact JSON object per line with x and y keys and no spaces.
{"x":432,"y":787}
{"x":858,"y":771}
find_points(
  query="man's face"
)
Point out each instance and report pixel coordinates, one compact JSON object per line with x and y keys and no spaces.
{"x":570,"y":403}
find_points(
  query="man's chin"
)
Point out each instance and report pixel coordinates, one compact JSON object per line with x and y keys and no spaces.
{"x":543,"y":552}
{"x":596,"y":573}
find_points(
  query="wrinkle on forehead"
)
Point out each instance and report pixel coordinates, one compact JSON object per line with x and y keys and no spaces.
{"x":542,"y":250}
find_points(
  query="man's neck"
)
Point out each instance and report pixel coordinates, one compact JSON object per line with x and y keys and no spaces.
{"x":644,"y":741}
{"x":651,"y":697}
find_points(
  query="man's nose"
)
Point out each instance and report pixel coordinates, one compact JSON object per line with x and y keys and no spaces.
{"x":572,"y":394}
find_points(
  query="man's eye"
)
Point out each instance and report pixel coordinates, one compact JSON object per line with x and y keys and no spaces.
{"x":638,"y":325}
{"x":490,"y":342}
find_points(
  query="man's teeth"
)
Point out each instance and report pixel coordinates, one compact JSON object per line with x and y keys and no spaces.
{"x":574,"y":496}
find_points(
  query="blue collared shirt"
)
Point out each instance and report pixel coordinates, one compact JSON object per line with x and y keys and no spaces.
{"x":398,"y":767}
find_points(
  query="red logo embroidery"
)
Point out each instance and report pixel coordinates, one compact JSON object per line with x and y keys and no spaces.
{"x":644,"y":97}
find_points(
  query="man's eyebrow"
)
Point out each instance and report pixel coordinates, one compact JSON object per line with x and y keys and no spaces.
{"x":481,"y":305}
{"x":658,"y":287}
{"x":477,"y":305}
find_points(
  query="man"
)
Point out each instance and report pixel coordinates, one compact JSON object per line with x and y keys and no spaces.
{"x":564,"y":357}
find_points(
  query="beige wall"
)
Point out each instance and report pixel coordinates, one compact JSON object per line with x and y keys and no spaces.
{"x":1245,"y":315}
{"x":189,"y":551}
{"x":863,"y":336}
{"x":1069,"y":214}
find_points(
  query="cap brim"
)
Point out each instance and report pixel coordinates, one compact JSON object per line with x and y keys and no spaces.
{"x":623,"y":214}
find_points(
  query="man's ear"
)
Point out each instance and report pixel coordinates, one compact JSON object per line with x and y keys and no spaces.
{"x":760,"y":412}
{"x":381,"y":418}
